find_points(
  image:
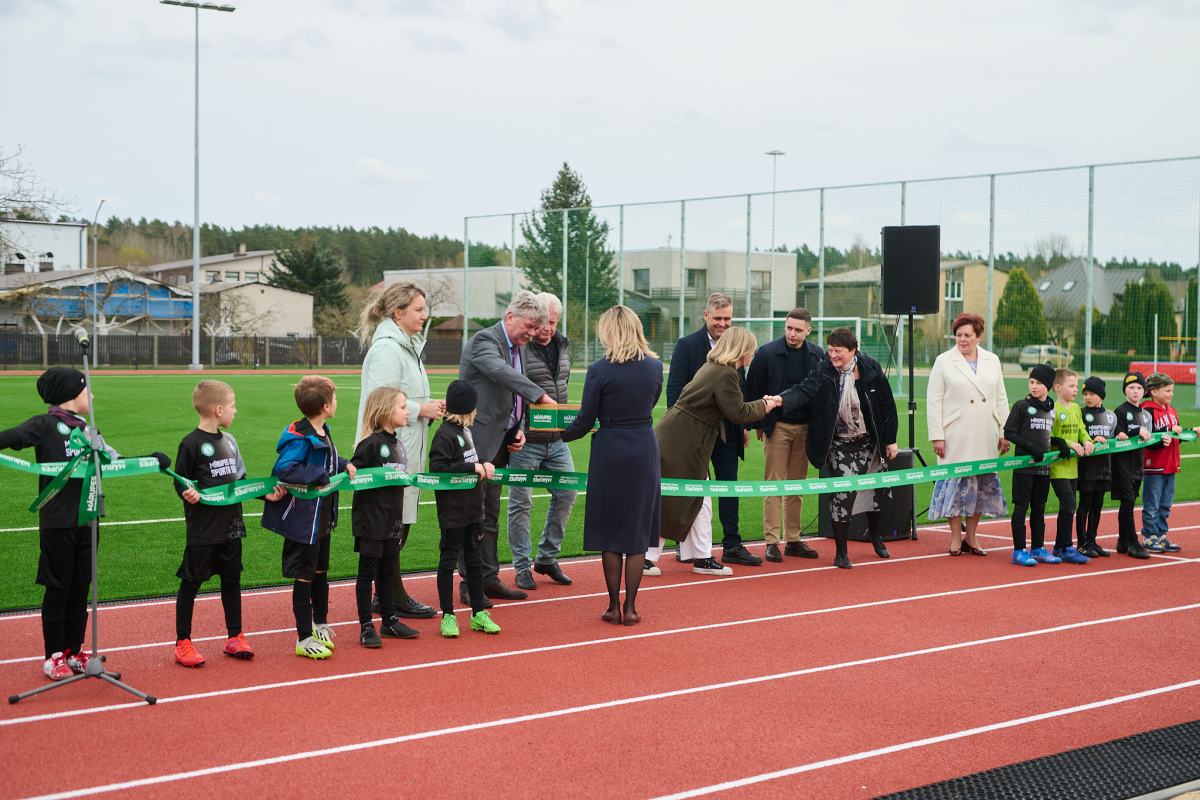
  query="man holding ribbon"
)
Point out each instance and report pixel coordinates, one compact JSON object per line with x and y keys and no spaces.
{"x":492,"y":362}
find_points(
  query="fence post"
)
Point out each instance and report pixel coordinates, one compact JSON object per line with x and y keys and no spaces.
{"x":562,"y":322}
{"x":267,"y":350}
{"x":748,"y":312}
{"x":621,"y":259}
{"x":903,"y":199}
{"x":45,"y":351}
{"x":821,"y":279}
{"x":991,"y":317}
{"x":1087,"y":310}
{"x":512,"y":261}
{"x":154,"y":349}
{"x":320,"y":353}
{"x":682,"y":269}
{"x":136,"y":351}
{"x":466,"y":263}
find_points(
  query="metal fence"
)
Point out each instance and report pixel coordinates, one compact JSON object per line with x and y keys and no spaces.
{"x":1085,"y":266}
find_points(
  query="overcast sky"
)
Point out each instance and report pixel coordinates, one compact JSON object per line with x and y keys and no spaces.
{"x":416,"y":113}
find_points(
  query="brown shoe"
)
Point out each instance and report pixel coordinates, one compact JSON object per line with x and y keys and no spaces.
{"x":464,"y":597}
{"x":499,"y":591}
{"x":799,"y":549}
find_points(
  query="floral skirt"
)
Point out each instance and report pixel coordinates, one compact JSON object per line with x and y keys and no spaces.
{"x":858,"y":456}
{"x":966,"y":497}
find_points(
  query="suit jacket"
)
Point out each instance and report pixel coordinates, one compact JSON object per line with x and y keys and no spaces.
{"x":766,"y":376}
{"x":965,"y":408}
{"x":487,"y":363}
{"x":691,"y":353}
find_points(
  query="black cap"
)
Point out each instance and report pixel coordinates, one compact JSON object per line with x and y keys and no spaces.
{"x":57,"y":385}
{"x":1095,"y":385}
{"x":461,"y":397}
{"x":1044,"y":374}
{"x":1134,"y":377}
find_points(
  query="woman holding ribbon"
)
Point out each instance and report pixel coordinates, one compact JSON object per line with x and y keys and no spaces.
{"x":966,"y":407}
{"x":852,"y":427}
{"x":391,"y":323}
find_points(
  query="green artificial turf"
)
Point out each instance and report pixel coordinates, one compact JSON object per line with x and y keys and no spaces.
{"x":139,"y":414}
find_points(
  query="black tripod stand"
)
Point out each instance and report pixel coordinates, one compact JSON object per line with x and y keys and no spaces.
{"x":912,"y":424}
{"x":94,"y":667}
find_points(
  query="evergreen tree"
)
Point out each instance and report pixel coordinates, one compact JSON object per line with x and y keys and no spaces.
{"x":1020,"y":308}
{"x":591,"y":270}
{"x":313,"y":269}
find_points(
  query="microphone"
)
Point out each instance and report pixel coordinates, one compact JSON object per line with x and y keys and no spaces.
{"x":81,"y":336}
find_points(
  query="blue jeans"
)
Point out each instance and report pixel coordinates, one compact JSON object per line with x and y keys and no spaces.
{"x":555,"y":456}
{"x":1158,"y":492}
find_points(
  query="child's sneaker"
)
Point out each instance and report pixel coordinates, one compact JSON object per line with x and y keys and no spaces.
{"x":1168,"y":545}
{"x":1043,"y":556}
{"x":650,"y":569}
{"x":186,"y":655}
{"x":1022,"y":559}
{"x":1071,"y":556}
{"x":78,"y":661}
{"x":395,"y":629}
{"x":236,"y":646}
{"x":483,"y":622}
{"x":56,"y":668}
{"x":449,"y":626}
{"x":1152,"y":545}
{"x":324,"y":634}
{"x":311,"y":648}
{"x":368,"y":637}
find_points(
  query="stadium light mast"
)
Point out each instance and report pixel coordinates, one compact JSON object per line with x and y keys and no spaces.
{"x":196,"y":202}
{"x":95,"y":271}
{"x":774,"y":154}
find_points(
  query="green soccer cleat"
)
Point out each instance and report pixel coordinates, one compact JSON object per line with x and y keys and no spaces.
{"x":449,"y":626}
{"x":324,"y":634}
{"x":483,"y":622}
{"x":311,"y":648}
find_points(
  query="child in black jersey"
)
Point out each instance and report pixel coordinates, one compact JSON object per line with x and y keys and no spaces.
{"x":210,"y":457}
{"x":377,"y":514}
{"x":1095,"y":472}
{"x":1133,"y":422}
{"x":460,"y":511}
{"x":65,"y":563}
{"x":1028,"y":428}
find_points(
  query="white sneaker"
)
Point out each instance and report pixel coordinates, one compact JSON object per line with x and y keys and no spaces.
{"x":56,"y":668}
{"x":650,"y":569}
{"x":324,"y":634}
{"x":710,"y":566}
{"x":311,"y":648}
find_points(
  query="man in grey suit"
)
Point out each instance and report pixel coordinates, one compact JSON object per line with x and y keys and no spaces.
{"x":492,"y":361}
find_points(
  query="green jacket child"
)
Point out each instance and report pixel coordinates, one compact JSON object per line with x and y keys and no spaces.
{"x":1068,"y":426}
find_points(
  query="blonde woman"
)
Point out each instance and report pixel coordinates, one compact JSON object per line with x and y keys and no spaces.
{"x":688,"y":432}
{"x":391,"y":323}
{"x":621,"y":516}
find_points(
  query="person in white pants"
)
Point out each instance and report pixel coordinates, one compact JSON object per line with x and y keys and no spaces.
{"x":696,"y":548}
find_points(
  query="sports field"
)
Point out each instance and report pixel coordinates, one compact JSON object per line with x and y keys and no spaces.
{"x":143,"y":535}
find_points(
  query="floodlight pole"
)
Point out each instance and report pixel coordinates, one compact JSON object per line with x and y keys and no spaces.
{"x":774,"y":154}
{"x":95,"y":272}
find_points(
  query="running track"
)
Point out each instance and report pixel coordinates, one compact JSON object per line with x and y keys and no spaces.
{"x":792,"y":680}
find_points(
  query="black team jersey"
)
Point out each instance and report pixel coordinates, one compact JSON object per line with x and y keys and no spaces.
{"x":1099,"y":422}
{"x":377,"y":513}
{"x":210,"y":459}
{"x":1028,"y":427}
{"x":1131,"y":420}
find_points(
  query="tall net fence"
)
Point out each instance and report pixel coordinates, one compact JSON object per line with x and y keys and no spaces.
{"x":1093,"y":268}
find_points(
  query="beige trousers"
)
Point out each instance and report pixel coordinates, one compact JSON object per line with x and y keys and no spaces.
{"x":787,"y":460}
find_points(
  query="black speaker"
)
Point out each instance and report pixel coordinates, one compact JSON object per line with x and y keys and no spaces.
{"x":895,"y":521}
{"x":911,"y":269}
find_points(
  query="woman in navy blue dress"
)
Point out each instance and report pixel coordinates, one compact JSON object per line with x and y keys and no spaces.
{"x":623,"y":509}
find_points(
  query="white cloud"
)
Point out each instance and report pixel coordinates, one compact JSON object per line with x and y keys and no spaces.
{"x":266,"y":198}
{"x":371,"y":171}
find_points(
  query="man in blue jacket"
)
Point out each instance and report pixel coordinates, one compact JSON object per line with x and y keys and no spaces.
{"x":779,"y":365}
{"x":690,"y":354}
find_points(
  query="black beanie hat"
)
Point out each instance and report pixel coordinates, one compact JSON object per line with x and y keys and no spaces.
{"x":1095,"y":385}
{"x":461,"y":397}
{"x":1044,"y":374}
{"x":57,"y":385}
{"x":1134,"y":377}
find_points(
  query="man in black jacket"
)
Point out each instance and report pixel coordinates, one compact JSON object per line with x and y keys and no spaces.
{"x":779,"y":365}
{"x":547,"y":360}
{"x":690,"y":354}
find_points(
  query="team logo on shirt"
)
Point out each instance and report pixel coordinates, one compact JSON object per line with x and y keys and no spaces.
{"x":1089,"y":417}
{"x":63,"y":429}
{"x":1031,"y":410}
{"x":1062,"y":415}
{"x":384,"y":450}
{"x":207,"y":449}
{"x":1129,"y":416}
{"x":461,"y":443}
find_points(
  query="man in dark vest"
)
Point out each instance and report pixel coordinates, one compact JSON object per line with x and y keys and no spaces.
{"x":547,"y":360}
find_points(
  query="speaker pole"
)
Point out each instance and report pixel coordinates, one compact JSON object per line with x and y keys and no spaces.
{"x":912,"y":423}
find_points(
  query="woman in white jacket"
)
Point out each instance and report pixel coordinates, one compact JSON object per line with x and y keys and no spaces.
{"x":391,"y":322}
{"x":966,"y":407}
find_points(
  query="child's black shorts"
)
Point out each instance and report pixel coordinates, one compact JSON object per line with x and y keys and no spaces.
{"x":202,"y":561}
{"x":66,"y":557}
{"x":304,"y":561}
{"x":377,"y":548}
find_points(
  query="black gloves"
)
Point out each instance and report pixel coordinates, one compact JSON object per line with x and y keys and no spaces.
{"x":1061,"y":445}
{"x":1036,"y":458}
{"x":163,"y":461}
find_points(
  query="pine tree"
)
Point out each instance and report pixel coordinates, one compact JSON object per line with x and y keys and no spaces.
{"x":1021,"y":309}
{"x":313,"y":269}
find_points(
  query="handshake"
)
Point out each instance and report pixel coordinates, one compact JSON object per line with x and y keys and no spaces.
{"x":773,"y":402}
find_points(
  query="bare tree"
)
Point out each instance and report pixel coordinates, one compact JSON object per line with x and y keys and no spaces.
{"x":23,"y":193}
{"x":228,"y":314}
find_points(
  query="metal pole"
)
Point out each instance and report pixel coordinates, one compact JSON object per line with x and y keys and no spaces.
{"x":900,"y":356}
{"x":774,"y":162}
{"x":512,"y":259}
{"x":587,"y":297}
{"x":562,"y":322}
{"x":682,"y":264}
{"x":1087,"y":308}
{"x":621,"y":259}
{"x":466,"y":263}
{"x":821,"y":278}
{"x":1156,"y":342}
{"x":196,"y":221}
{"x":1196,"y":333}
{"x":749,"y":312}
{"x":903,"y":193}
{"x":95,"y":269}
{"x":991,"y":263}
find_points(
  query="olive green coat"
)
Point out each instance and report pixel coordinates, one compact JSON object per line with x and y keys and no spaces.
{"x":688,"y":432}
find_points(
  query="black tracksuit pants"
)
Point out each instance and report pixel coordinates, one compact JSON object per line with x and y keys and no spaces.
{"x":1029,"y":495}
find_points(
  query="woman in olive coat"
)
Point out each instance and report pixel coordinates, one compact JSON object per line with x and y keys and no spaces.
{"x":688,"y":431}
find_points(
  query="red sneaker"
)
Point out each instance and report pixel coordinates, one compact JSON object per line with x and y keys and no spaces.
{"x":237,"y":647}
{"x":56,"y":668}
{"x":78,"y":661}
{"x":186,"y":655}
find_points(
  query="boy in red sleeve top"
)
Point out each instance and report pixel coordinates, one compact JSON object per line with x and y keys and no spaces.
{"x":1161,"y":462}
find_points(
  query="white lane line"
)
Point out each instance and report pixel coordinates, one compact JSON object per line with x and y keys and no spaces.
{"x":592,"y":642}
{"x":897,"y":748}
{"x":225,"y":768}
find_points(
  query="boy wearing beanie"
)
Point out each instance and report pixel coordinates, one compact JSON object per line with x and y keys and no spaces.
{"x":1133,"y":422}
{"x":1160,"y":465}
{"x":1095,"y":472}
{"x":1028,"y":427}
{"x":1064,"y":474}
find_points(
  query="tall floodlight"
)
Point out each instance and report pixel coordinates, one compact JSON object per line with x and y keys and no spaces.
{"x":95,"y":273}
{"x":774,"y":154}
{"x":196,"y":202}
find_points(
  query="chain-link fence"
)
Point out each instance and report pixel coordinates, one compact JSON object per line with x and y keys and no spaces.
{"x":1087,"y":267}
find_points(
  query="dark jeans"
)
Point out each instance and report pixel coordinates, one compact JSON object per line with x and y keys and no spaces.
{"x":725,"y":468}
{"x":491,"y":519}
{"x":1064,"y":490}
{"x":461,"y":545}
{"x":1029,"y":494}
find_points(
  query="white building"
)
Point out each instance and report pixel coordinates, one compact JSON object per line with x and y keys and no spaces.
{"x":489,"y":292}
{"x":235,"y":309}
{"x":42,"y":246}
{"x":236,"y":267}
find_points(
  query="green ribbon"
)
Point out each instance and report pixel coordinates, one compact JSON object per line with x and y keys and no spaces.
{"x":89,"y":505}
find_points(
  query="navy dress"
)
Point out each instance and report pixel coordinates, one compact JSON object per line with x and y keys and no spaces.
{"x":623,"y":510}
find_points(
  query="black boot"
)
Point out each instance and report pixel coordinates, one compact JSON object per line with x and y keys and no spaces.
{"x":873,"y":521}
{"x":841,"y":530}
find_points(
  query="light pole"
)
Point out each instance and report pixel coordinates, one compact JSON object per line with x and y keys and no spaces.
{"x":95,"y":272}
{"x":774,"y":154}
{"x":196,"y":203}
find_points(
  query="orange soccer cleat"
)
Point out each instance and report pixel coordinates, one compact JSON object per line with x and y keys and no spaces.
{"x":186,"y":655}
{"x":237,"y":647}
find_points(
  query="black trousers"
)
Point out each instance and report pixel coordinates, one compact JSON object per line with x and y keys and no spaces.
{"x":461,"y":546}
{"x":725,"y":468}
{"x":488,"y":546}
{"x":1064,"y":490}
{"x":1087,"y":516}
{"x":377,"y":570}
{"x":65,"y":569}
{"x":1029,"y":494}
{"x":1125,"y":491}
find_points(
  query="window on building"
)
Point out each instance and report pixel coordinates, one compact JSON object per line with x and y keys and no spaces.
{"x":46,"y":262}
{"x":252,"y":277}
{"x":212,"y":276}
{"x":954,"y":290}
{"x":641,"y":281}
{"x":230,"y":275}
{"x":698,"y":279}
{"x":1068,"y":286}
{"x":760,"y":280}
{"x":1045,"y":285}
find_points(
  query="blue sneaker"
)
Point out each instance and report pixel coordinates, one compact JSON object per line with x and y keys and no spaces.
{"x":1168,"y":545}
{"x":1022,"y":559}
{"x":1042,"y":556}
{"x":1153,"y":545}
{"x":1071,"y":555}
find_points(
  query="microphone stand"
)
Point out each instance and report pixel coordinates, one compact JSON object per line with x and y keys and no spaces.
{"x":912,"y":424}
{"x":94,"y":667}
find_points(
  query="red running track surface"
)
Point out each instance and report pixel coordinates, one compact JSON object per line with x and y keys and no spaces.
{"x":791,"y":680}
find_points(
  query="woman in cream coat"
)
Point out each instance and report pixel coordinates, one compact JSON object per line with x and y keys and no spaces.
{"x":966,"y":407}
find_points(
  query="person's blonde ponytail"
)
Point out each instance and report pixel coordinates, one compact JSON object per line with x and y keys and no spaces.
{"x":382,"y":305}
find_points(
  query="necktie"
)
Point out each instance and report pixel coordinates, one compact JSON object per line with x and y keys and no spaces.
{"x":517,"y":408}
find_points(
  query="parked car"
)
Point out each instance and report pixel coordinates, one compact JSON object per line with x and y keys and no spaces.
{"x":1051,"y":354}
